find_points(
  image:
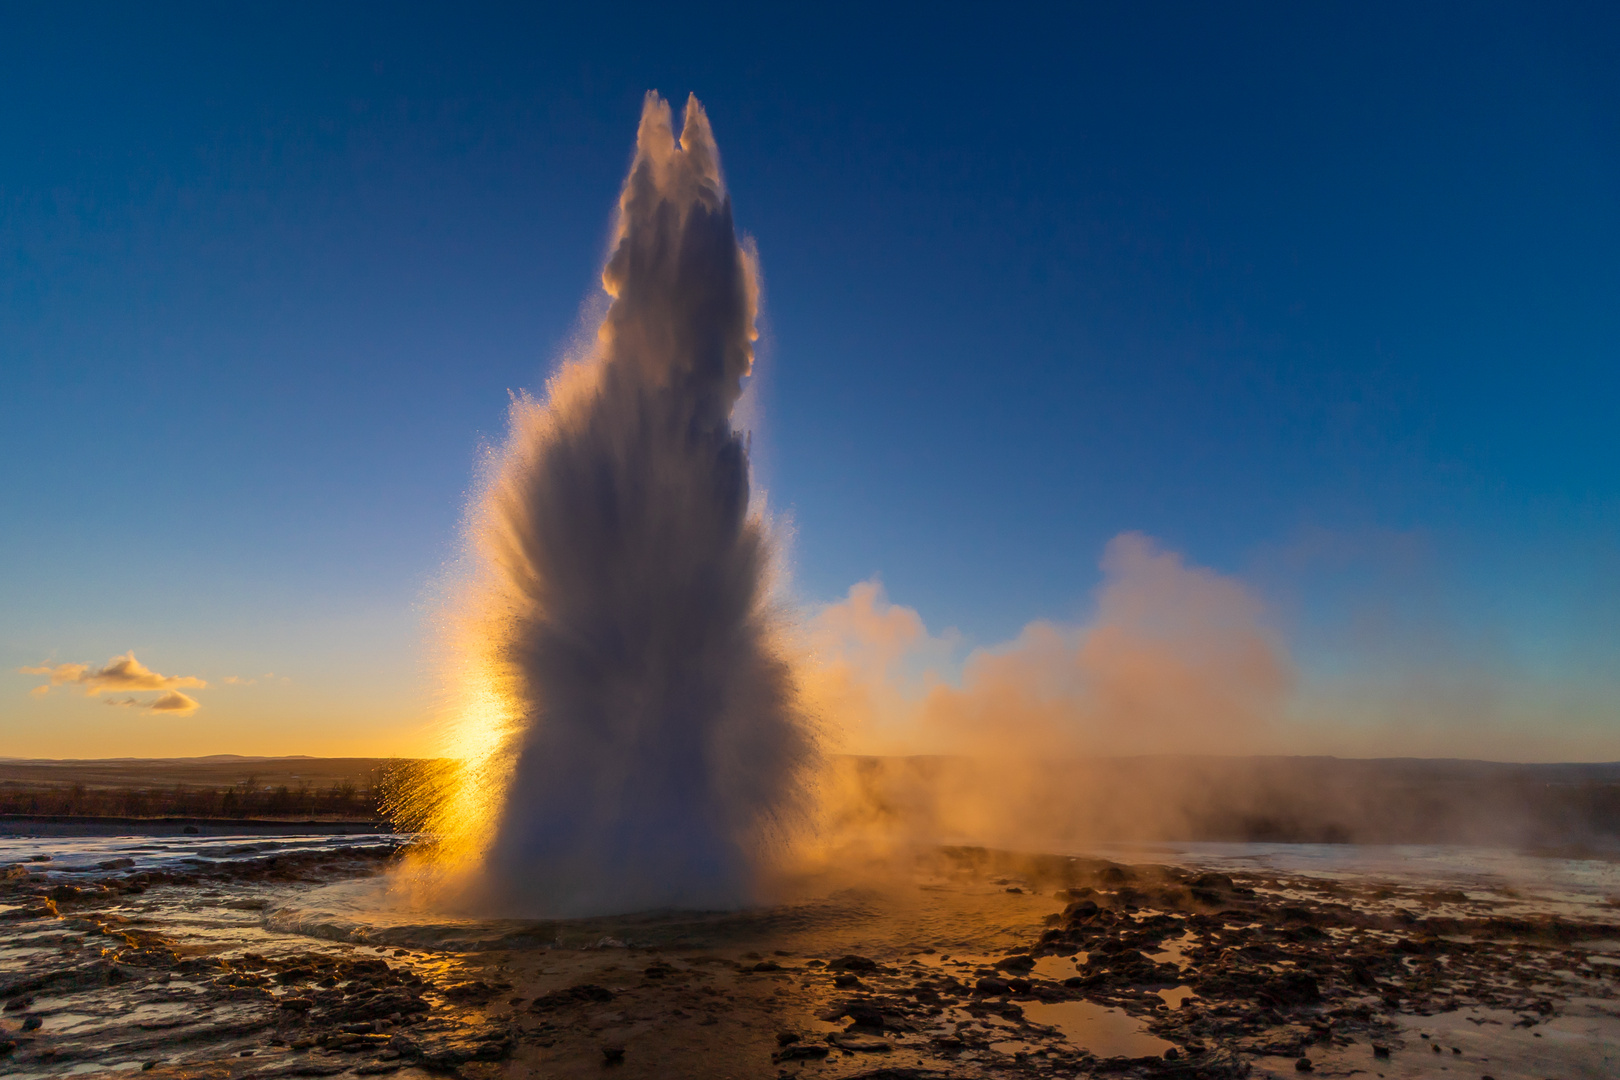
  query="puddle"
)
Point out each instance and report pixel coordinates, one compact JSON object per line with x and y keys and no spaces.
{"x":1104,"y":1031}
{"x":1056,"y":968}
{"x":1175,"y":995}
{"x":1173,"y":951}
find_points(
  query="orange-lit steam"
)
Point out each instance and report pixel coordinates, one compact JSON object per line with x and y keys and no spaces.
{"x":1033,"y":745}
{"x":1177,"y":660}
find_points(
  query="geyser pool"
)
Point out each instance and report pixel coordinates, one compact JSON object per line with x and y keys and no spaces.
{"x":629,"y":723}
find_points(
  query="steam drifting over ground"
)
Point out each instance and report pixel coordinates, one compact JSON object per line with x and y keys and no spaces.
{"x":630,"y":723}
{"x":1178,"y":659}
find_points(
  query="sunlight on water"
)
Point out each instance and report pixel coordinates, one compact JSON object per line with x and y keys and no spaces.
{"x":1104,"y":1031}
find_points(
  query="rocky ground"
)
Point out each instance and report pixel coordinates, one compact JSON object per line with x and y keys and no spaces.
{"x":995,"y":966}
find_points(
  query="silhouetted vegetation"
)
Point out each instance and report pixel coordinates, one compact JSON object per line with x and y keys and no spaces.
{"x":247,"y":799}
{"x":405,"y":792}
{"x":337,"y":801}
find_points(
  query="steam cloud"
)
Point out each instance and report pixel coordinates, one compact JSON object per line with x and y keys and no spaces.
{"x":1033,"y":746}
{"x":1177,"y":660}
{"x":622,"y":682}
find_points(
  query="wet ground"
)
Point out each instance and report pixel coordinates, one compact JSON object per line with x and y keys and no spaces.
{"x":282,"y":957}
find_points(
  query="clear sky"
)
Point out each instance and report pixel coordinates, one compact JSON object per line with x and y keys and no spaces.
{"x":1322,"y":298}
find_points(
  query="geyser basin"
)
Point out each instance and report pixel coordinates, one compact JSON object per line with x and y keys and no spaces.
{"x":630,"y":723}
{"x":958,"y":961}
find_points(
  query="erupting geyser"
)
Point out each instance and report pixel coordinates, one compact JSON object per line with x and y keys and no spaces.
{"x":631,"y":728}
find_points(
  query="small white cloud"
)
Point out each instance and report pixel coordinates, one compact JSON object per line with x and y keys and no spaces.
{"x":59,"y":675}
{"x":172,"y":702}
{"x":121,"y":673}
{"x":175,"y":702}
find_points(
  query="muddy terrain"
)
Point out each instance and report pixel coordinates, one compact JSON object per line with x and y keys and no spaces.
{"x":962,"y":963}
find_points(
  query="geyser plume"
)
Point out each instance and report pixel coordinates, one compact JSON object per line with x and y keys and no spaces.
{"x":629,"y":730}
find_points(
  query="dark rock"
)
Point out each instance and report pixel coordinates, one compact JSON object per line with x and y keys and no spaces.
{"x":846,"y":981}
{"x":1080,"y":910}
{"x":47,"y":910}
{"x":862,"y":1015}
{"x":1303,"y":1065}
{"x":31,"y":1023}
{"x":1295,"y":988}
{"x":581,"y":994}
{"x":1016,"y":962}
{"x":766,"y":965}
{"x":457,"y":1050}
{"x":613,"y":1055}
{"x":799,"y":1052}
{"x":853,"y":963}
{"x":475,"y":992}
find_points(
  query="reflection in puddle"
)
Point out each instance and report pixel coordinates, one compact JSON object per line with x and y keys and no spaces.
{"x":1055,"y":968}
{"x":1173,"y":951}
{"x":1175,"y":995}
{"x":1103,"y":1031}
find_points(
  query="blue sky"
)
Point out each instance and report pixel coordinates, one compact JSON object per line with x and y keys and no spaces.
{"x":1320,"y":297}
